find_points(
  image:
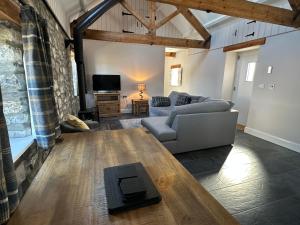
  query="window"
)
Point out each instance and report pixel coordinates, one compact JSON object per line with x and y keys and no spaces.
{"x":14,"y":91}
{"x":176,"y":72}
{"x":251,"y":71}
{"x":74,"y":73}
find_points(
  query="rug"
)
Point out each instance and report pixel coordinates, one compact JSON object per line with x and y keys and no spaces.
{"x":131,"y":123}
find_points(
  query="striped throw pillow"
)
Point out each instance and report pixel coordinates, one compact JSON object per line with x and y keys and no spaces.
{"x":159,"y":101}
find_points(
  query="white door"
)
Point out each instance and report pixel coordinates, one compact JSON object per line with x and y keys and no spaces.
{"x":243,"y":84}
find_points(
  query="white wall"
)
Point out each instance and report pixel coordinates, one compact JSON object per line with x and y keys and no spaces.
{"x":135,"y":63}
{"x":60,"y":14}
{"x":229,"y":75}
{"x":274,"y":114}
{"x":202,"y":72}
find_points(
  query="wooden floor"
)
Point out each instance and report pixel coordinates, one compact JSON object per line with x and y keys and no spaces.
{"x":69,"y":188}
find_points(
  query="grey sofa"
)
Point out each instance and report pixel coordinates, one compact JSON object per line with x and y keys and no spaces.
{"x":165,"y":111}
{"x":200,"y":125}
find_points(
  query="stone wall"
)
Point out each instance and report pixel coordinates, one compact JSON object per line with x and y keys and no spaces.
{"x":28,"y":165}
{"x":66,"y":102}
{"x":13,"y":82}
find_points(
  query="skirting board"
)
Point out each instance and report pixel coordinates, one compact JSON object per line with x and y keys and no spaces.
{"x":276,"y":140}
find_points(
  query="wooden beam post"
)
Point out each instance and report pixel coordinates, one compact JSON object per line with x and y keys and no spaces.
{"x":152,"y":10}
{"x":10,"y":11}
{"x":140,"y":18}
{"x":295,"y":4}
{"x":242,"y":9}
{"x":189,"y":16}
{"x":143,"y":39}
{"x":166,"y":19}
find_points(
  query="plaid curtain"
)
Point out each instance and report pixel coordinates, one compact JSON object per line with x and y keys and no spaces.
{"x":39,"y":75}
{"x":9,"y":198}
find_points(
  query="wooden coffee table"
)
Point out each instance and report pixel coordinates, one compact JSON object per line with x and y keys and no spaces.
{"x":69,"y":188}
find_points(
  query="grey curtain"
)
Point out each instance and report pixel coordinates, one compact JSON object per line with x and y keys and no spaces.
{"x":38,"y":68}
{"x":9,"y":198}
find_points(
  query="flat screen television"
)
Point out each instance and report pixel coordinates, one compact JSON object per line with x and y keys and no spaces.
{"x":106,"y":82}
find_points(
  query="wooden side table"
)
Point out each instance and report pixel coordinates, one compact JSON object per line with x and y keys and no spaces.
{"x":140,"y":106}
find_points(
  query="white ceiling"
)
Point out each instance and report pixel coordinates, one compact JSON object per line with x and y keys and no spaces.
{"x":73,"y":9}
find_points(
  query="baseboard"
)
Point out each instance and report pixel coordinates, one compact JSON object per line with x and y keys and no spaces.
{"x":274,"y":139}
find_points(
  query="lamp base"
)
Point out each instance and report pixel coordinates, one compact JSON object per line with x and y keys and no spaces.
{"x":141,"y":95}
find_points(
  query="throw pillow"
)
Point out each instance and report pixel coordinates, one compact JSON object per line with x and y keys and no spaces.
{"x":76,"y":122}
{"x":183,"y":100}
{"x":160,"y":101}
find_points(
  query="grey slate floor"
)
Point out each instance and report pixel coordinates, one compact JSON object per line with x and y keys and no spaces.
{"x":256,"y":181}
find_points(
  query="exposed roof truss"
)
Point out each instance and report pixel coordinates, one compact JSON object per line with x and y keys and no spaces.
{"x":243,"y":9}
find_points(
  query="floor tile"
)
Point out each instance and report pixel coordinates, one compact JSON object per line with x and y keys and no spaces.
{"x":282,"y":212}
{"x":249,"y":195}
{"x":210,"y":181}
{"x":255,"y":180}
{"x":238,"y":173}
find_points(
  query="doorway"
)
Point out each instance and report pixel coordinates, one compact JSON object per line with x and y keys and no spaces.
{"x":243,"y":83}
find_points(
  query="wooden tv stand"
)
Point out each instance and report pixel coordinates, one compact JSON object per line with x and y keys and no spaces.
{"x":108,"y":104}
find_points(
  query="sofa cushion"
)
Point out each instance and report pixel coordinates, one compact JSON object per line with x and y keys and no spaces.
{"x":174,"y":95}
{"x":158,"y":127}
{"x":76,"y":122}
{"x":197,"y":99}
{"x":68,"y":128}
{"x":183,"y":100}
{"x":203,"y":107}
{"x":160,"y":101}
{"x":160,"y":111}
{"x":219,"y":100}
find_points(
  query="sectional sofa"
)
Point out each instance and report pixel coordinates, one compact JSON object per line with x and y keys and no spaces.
{"x":201,"y":124}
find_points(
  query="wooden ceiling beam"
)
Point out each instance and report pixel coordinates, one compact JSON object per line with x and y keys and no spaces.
{"x":130,"y":9}
{"x":295,"y":4}
{"x":243,"y":45}
{"x":167,"y":19}
{"x":170,"y":54}
{"x":152,"y":10}
{"x":10,"y":11}
{"x":143,"y":39}
{"x":189,"y":16}
{"x":241,"y":9}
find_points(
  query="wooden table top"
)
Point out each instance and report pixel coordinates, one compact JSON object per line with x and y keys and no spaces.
{"x":69,"y":188}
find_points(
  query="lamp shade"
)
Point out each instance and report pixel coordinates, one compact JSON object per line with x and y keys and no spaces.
{"x":141,"y":86}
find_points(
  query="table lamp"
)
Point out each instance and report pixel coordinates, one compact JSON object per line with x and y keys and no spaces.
{"x":141,"y":88}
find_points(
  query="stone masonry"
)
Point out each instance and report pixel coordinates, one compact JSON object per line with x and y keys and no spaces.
{"x":13,"y":82}
{"x":66,"y":102}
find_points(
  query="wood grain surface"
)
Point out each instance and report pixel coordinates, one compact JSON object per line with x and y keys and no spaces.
{"x":69,"y":188}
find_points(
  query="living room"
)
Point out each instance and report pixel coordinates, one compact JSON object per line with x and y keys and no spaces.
{"x":148,"y":112}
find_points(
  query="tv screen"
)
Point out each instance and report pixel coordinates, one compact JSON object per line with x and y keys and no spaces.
{"x":106,"y":82}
